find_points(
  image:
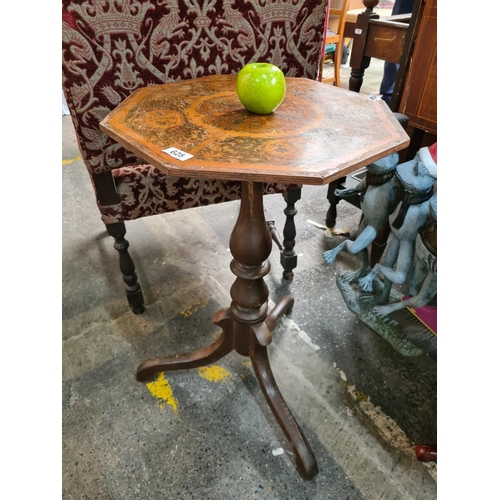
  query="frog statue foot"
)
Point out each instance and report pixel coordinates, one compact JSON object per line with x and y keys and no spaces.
{"x":366,"y":282}
{"x":382,"y":311}
{"x":353,"y":276}
{"x":370,"y":299}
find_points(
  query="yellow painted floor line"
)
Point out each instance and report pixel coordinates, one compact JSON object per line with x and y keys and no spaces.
{"x":162,"y":391}
{"x":213,"y":373}
{"x":72,"y":160}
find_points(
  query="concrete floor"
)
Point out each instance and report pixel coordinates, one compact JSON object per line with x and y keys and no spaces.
{"x":208,"y":433}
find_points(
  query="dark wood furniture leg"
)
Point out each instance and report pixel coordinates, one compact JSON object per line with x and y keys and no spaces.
{"x":107,"y":195}
{"x":246,"y":325}
{"x":331,"y":214}
{"x":127,"y":267}
{"x":359,"y":62}
{"x":288,"y":255}
{"x":426,"y":452}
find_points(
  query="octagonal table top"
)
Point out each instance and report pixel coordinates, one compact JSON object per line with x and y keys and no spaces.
{"x":318,"y":134}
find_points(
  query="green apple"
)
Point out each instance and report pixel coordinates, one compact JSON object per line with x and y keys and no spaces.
{"x":261,"y":87}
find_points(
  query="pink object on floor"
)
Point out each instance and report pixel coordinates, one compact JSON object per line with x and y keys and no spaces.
{"x":426,"y":314}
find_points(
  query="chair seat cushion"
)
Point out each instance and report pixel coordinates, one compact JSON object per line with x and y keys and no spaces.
{"x":144,"y":190}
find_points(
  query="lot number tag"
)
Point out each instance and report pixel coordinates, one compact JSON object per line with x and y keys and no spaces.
{"x":177,"y":154}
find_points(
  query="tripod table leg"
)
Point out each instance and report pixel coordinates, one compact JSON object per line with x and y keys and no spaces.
{"x":304,"y":457}
{"x":283,"y":306}
{"x":201,"y":357}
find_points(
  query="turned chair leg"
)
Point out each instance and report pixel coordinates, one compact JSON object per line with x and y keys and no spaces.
{"x":331,"y":215}
{"x":288,"y":255}
{"x":127,"y":267}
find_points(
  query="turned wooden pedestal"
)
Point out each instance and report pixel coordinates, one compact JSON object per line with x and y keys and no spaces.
{"x":247,"y":324}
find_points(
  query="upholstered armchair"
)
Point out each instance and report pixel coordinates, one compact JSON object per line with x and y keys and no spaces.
{"x":112,"y":47}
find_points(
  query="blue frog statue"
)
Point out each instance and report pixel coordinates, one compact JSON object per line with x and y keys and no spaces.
{"x":422,"y":283}
{"x":417,"y":178}
{"x":405,"y":197}
{"x":378,"y":190}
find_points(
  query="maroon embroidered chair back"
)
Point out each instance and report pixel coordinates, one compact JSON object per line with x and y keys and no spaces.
{"x":112,"y":47}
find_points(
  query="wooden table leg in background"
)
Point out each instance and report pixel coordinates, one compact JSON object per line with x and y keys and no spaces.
{"x":426,"y":452}
{"x":246,"y":325}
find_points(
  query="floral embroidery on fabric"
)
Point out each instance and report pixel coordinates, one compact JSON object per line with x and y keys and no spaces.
{"x":112,"y":47}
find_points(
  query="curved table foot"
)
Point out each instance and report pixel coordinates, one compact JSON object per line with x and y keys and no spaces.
{"x":304,"y":457}
{"x":283,"y":306}
{"x":210,"y":354}
{"x":243,"y":339}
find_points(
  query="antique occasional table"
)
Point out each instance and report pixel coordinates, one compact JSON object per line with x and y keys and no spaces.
{"x":318,"y":134}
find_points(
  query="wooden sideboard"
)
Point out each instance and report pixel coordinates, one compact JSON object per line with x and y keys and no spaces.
{"x":419,"y":83}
